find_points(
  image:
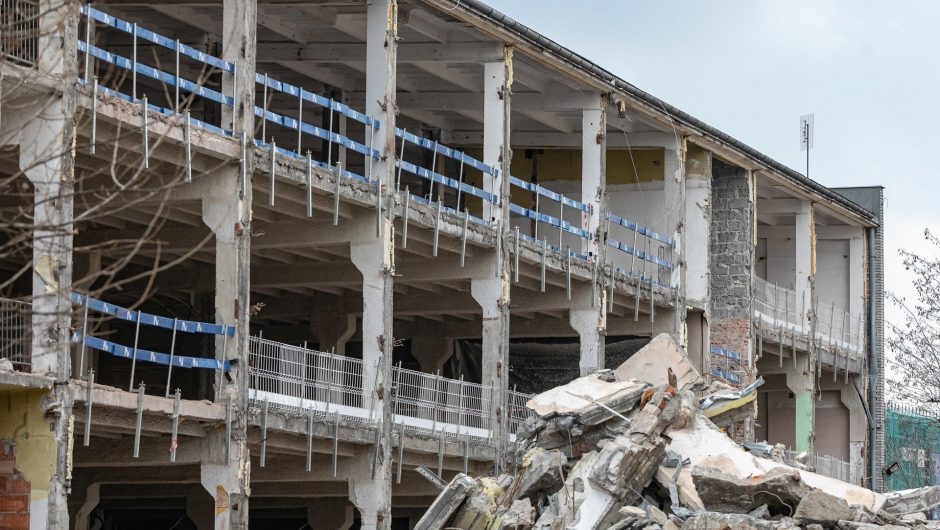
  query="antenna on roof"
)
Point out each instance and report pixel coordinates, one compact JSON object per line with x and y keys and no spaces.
{"x":806,"y":137}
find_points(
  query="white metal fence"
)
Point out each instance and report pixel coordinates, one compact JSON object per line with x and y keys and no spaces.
{"x":831,"y":466}
{"x":19,"y":30}
{"x":15,"y":332}
{"x":779,"y":307}
{"x":301,"y":380}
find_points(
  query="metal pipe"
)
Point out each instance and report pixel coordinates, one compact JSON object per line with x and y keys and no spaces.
{"x":134,"y":357}
{"x":169,"y":371}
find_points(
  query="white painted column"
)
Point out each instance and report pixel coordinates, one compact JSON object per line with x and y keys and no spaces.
{"x":590,"y":322}
{"x":593,"y":169}
{"x":491,"y":291}
{"x":857,"y":286}
{"x":674,"y":202}
{"x":373,"y":254}
{"x":495,"y":127}
{"x":805,"y":257}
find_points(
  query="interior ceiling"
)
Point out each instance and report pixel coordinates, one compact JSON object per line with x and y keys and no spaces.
{"x":289,"y":34}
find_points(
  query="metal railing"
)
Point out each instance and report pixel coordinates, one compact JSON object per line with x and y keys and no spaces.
{"x":327,"y":385}
{"x":781,"y":308}
{"x":19,"y":31}
{"x":16,"y":333}
{"x":651,"y":255}
{"x":550,"y":229}
{"x":829,"y":466}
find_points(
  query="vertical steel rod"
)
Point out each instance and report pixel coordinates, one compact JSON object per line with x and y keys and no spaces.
{"x":437,"y":229}
{"x":134,"y":64}
{"x":463,"y":239}
{"x":300,"y":118}
{"x":176,"y":84}
{"x":309,"y":185}
{"x":94,"y":116}
{"x":264,"y":107}
{"x":515,"y":257}
{"x":176,"y":425}
{"x":134,"y":355}
{"x":187,"y":145}
{"x":309,"y":438}
{"x":140,"y":418}
{"x":273,"y":167}
{"x":89,"y":386}
{"x":405,"y":218}
{"x":81,"y":359}
{"x":544,"y":251}
{"x":144,"y":114}
{"x":336,"y":180}
{"x":169,"y":372}
{"x":228,"y":430}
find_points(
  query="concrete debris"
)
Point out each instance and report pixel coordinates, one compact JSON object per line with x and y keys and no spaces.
{"x":911,"y":501}
{"x":655,"y":362}
{"x":609,"y":451}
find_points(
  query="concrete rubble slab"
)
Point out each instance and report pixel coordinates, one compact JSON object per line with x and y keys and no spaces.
{"x":653,"y":362}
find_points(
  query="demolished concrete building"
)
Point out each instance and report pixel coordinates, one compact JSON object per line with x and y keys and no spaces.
{"x":264,"y":260}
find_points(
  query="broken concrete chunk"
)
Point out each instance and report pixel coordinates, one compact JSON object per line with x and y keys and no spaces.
{"x":735,"y":521}
{"x":910,"y":501}
{"x":761,"y":512}
{"x":519,"y":516}
{"x":541,"y":473}
{"x":780,"y":489}
{"x":580,"y":397}
{"x":444,"y":506}
{"x":626,"y":465}
{"x":820,"y":507}
{"x":653,"y":362}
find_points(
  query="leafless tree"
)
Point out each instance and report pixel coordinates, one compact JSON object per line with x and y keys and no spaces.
{"x":914,"y":342}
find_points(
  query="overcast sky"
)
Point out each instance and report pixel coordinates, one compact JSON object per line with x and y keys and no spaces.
{"x":869,"y":71}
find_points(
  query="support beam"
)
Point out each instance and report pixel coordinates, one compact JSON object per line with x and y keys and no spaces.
{"x":413,"y":52}
{"x":589,"y":321}
{"x":800,"y":381}
{"x":805,"y":264}
{"x":593,"y":169}
{"x":496,"y":135}
{"x":373,"y":255}
{"x":239,"y":34}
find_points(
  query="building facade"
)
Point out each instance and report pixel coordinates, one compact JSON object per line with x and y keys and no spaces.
{"x":267,"y":259}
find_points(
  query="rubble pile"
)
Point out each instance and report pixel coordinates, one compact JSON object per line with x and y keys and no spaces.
{"x":611,"y":452}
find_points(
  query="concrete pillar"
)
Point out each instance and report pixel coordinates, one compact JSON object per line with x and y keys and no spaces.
{"x":83,"y":514}
{"x":490,"y":285}
{"x":227,"y":482}
{"x":329,"y":513}
{"x":805,"y":252}
{"x":491,"y":291}
{"x":373,"y":253}
{"x":589,"y":320}
{"x":697,"y":226}
{"x":496,"y":95}
{"x":800,"y":381}
{"x":199,"y":508}
{"x":858,"y":426}
{"x":432,"y":351}
{"x":45,"y":143}
{"x":857,"y":273}
{"x":239,"y":32}
{"x":593,"y":169}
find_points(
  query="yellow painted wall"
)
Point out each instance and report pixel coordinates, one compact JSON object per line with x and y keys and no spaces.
{"x":697,"y":166}
{"x":22,"y":421}
{"x":565,"y":164}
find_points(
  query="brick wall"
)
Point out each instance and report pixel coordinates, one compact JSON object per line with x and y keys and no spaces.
{"x":14,"y":491}
{"x":731,"y":271}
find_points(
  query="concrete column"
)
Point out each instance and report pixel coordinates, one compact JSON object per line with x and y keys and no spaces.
{"x":492,"y":293}
{"x":697,"y":226}
{"x":329,"y":513}
{"x":805,"y":262}
{"x":858,"y":426}
{"x":593,"y":169}
{"x":432,"y":351}
{"x":373,"y":254}
{"x":496,"y":96}
{"x":199,"y":508}
{"x":45,"y":143}
{"x":589,"y":320}
{"x":857,"y":284}
{"x":800,"y":381}
{"x":227,"y":482}
{"x":239,"y":32}
{"x":83,"y":514}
